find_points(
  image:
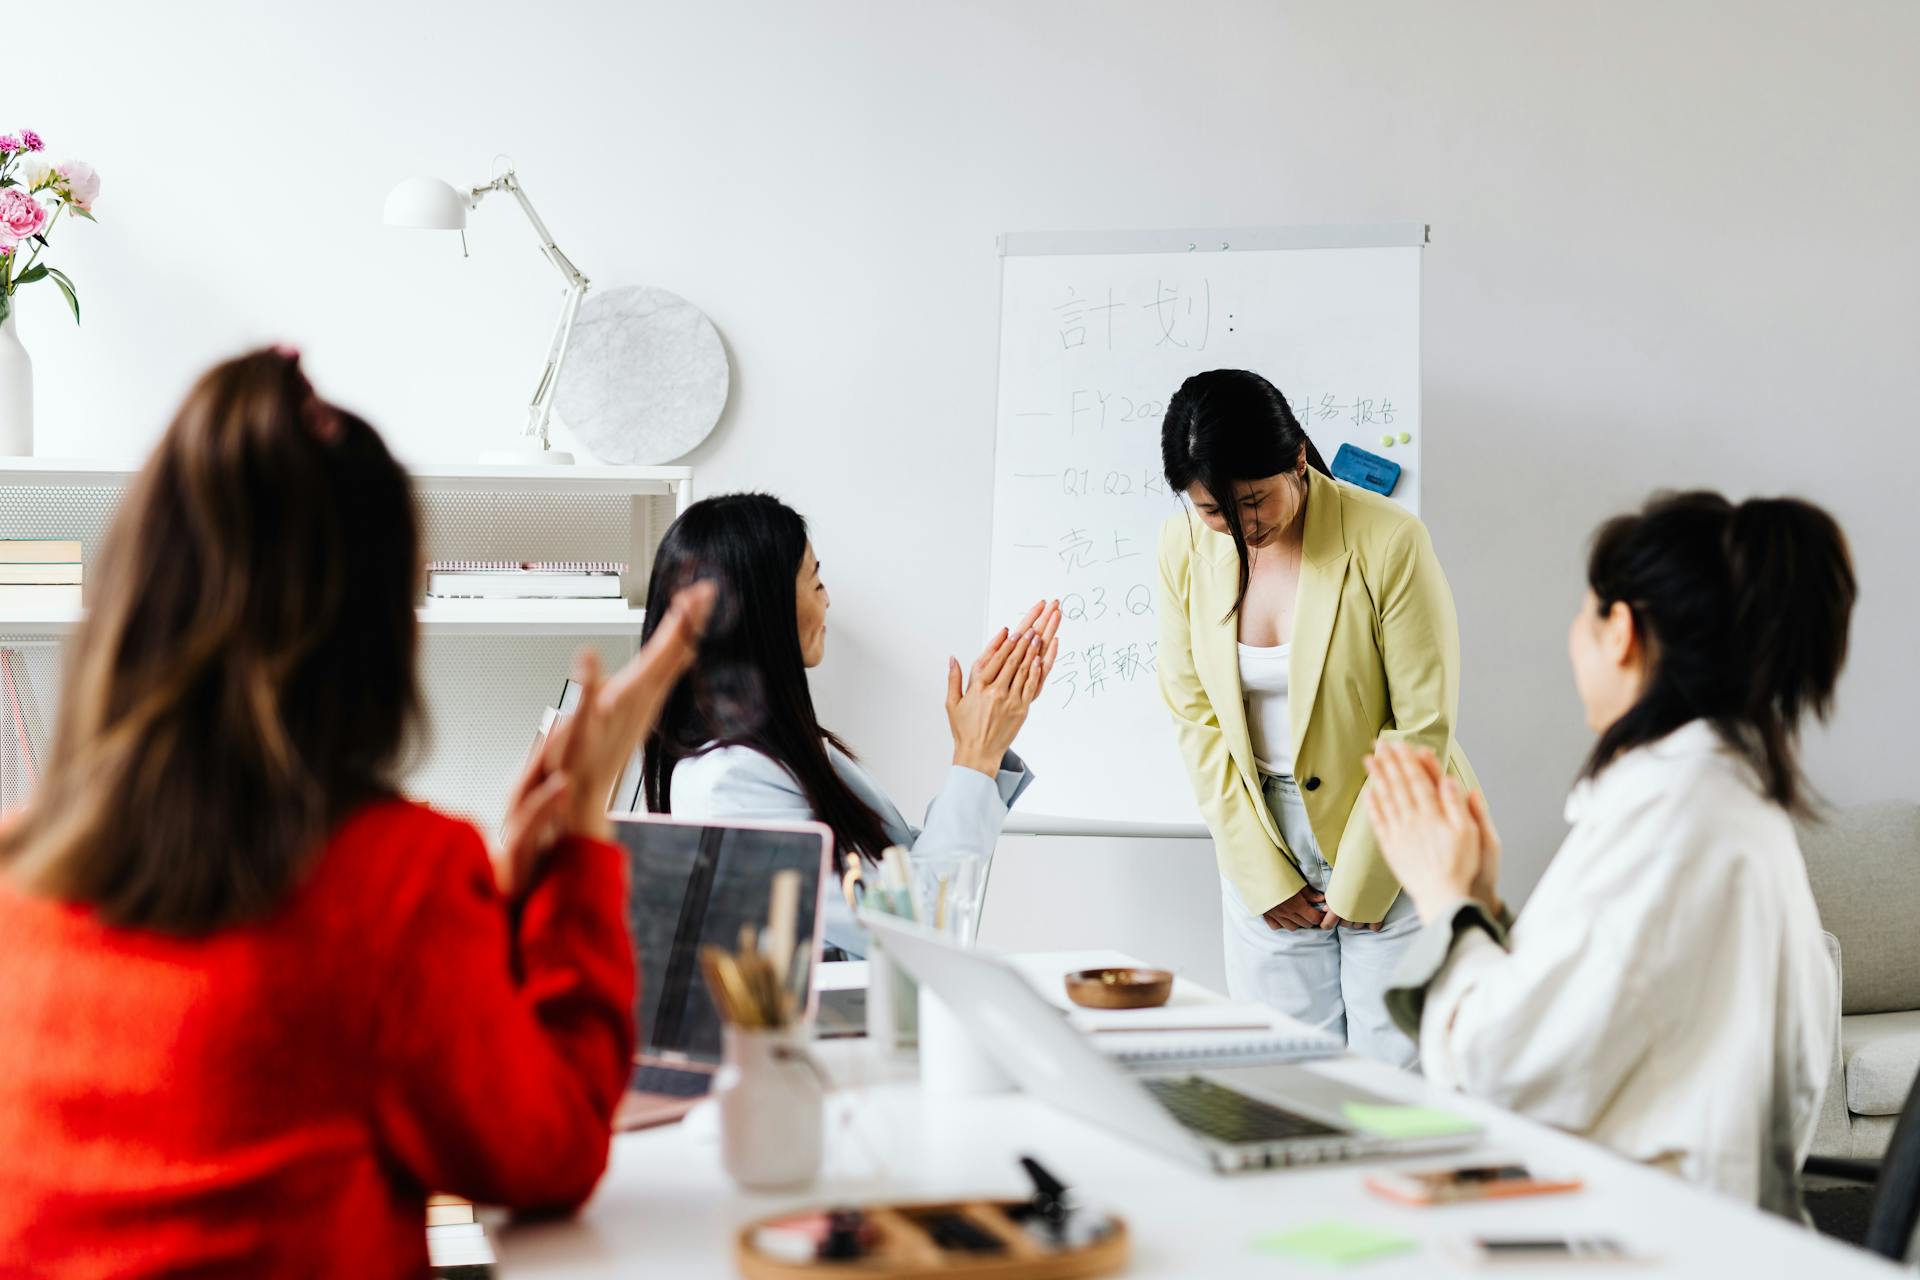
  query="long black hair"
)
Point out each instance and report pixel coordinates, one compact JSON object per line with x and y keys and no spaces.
{"x":1226,"y":426}
{"x":749,"y":687}
{"x":1744,"y":613}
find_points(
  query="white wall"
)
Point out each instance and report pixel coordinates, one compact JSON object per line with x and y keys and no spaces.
{"x":1674,"y":244}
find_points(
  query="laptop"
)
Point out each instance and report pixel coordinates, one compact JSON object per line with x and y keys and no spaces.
{"x":694,"y":884}
{"x":1229,"y":1120}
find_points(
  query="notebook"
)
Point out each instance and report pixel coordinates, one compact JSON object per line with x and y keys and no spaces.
{"x":1194,"y":1029}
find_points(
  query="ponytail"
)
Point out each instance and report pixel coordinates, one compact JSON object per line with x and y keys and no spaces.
{"x":1226,"y":426}
{"x":1744,"y":614}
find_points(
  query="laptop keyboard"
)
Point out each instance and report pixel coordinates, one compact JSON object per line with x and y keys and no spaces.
{"x":1228,"y":1115}
{"x":670,"y":1081}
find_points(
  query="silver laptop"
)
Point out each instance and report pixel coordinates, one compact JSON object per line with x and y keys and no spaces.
{"x":1229,"y":1120}
{"x":693,"y":884}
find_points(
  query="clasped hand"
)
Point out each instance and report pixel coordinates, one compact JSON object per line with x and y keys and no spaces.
{"x":1438,"y":840}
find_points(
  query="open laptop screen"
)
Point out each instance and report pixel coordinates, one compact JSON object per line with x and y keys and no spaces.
{"x":692,"y":885}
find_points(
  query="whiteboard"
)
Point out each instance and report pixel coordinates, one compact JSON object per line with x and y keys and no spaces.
{"x":1097,"y":330}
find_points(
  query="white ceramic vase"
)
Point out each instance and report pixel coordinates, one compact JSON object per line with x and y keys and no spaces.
{"x":16,"y":389}
{"x":772,"y":1110}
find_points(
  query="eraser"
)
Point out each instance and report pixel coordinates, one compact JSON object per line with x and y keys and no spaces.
{"x":1368,"y":470}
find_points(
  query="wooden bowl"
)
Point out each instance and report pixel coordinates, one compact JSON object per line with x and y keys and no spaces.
{"x":1120,"y":988}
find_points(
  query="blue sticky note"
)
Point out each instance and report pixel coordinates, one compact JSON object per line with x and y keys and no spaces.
{"x":1368,"y":470}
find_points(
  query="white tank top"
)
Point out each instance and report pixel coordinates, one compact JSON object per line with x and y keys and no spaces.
{"x":1263,"y":679}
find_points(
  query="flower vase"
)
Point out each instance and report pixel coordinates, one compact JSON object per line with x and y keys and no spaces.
{"x":16,"y":388}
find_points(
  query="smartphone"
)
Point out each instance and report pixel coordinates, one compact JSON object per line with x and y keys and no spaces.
{"x":1486,"y":1251}
{"x":1459,"y":1183}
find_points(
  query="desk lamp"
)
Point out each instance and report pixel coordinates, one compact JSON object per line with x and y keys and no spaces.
{"x":432,"y":204}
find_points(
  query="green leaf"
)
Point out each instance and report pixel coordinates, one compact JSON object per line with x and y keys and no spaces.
{"x":78,"y":212}
{"x":66,"y":287}
{"x":31,"y":274}
{"x":8,"y":182}
{"x":6,"y":305}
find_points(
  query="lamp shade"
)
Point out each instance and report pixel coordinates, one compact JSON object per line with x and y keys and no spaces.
{"x":426,"y":202}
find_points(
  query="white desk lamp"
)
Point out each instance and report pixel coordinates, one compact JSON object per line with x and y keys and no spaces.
{"x":433,"y":204}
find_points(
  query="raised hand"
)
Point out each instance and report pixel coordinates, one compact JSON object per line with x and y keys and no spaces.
{"x":986,"y":709}
{"x":564,"y":788}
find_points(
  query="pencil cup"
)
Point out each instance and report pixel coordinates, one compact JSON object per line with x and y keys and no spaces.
{"x":772,"y":1102}
{"x":952,"y":1062}
{"x":893,"y":1007}
{"x":947,"y":891}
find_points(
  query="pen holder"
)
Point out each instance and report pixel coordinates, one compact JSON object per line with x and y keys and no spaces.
{"x":772,"y":1100}
{"x":893,"y":1003}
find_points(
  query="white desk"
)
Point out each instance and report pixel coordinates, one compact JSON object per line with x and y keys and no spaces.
{"x":666,"y":1210}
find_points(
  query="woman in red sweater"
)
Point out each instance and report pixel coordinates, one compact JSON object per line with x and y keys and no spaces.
{"x":255,"y":1006}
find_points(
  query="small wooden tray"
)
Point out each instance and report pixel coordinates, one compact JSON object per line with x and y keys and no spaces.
{"x":906,"y":1251}
{"x":1119,"y":988}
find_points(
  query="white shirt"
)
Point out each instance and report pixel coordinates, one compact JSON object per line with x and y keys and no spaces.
{"x":1667,"y":992}
{"x":1263,"y":682}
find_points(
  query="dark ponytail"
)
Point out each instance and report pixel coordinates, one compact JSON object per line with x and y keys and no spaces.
{"x":749,"y":686}
{"x":1226,"y":426}
{"x":1744,"y":614}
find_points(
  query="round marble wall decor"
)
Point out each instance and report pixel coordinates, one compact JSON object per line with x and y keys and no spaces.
{"x":645,"y":378}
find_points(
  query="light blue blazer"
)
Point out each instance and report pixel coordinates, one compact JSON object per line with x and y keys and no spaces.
{"x":743,"y":782}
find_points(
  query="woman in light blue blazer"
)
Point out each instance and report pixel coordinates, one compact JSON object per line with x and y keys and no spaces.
{"x":739,"y":737}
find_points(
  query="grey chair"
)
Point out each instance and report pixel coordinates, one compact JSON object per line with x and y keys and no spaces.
{"x":1864,"y":866}
{"x":1893,"y":1227}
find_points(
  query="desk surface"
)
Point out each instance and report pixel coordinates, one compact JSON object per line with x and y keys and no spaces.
{"x":666,"y":1209}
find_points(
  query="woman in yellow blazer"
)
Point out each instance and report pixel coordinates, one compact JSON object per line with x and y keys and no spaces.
{"x":1301,"y":619}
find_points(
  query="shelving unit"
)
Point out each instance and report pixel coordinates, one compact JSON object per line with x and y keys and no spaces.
{"x":486,"y":671}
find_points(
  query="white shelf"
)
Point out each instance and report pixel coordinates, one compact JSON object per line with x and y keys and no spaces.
{"x":475,"y":620}
{"x":481,"y":619}
{"x":434,"y":476}
{"x":38,"y":622}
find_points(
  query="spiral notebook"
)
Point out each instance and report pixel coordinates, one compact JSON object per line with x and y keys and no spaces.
{"x":1211,"y":1034}
{"x":1195,"y":1029}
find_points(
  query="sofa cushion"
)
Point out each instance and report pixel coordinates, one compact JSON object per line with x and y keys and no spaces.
{"x":1864,"y":865}
{"x":1882,"y":1052}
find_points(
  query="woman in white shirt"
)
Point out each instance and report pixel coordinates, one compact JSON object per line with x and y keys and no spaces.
{"x":739,"y":737}
{"x":1666,"y":991}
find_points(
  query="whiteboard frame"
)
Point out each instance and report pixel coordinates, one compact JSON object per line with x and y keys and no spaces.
{"x":1022,"y":244}
{"x":1390,"y":235}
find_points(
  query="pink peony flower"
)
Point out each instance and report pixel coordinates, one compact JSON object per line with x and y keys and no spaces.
{"x":8,"y":142}
{"x":20,"y":215}
{"x":32,"y":140}
{"x":80,"y":183}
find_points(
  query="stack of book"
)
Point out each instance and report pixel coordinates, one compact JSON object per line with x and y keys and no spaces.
{"x":39,"y":575}
{"x":535,"y":584}
{"x":457,"y":1246}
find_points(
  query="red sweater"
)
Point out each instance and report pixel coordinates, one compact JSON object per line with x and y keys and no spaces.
{"x":279,"y":1098}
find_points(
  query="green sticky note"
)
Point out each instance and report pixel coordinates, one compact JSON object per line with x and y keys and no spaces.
{"x":1406,"y":1122}
{"x":1334,"y":1244}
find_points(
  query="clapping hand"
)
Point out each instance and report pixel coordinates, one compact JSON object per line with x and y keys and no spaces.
{"x":985,"y":711}
{"x":564,"y":788}
{"x":1439,"y":841}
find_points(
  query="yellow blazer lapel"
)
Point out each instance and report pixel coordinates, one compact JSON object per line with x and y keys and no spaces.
{"x":1217,"y":650}
{"x":1323,"y":574}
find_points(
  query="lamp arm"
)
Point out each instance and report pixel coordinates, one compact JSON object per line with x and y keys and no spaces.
{"x":509,"y":183}
{"x":540,"y":408}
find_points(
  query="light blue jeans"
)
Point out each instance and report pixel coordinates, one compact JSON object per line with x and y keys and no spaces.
{"x":1335,"y":979}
